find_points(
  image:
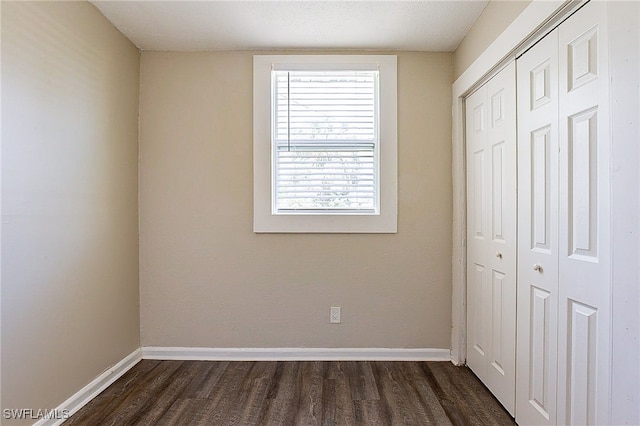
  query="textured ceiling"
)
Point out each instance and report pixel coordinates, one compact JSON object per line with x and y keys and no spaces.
{"x":419,"y":25}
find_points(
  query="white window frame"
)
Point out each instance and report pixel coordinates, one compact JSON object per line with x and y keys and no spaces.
{"x":264,"y":220}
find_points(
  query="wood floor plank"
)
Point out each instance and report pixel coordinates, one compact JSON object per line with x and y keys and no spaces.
{"x":328,"y":402}
{"x":471,"y":401}
{"x":173,"y":393}
{"x":138,"y":403}
{"x":196,"y":414}
{"x":165,"y":398}
{"x":361,"y":381}
{"x":393,"y":394}
{"x":114,"y":396}
{"x":369,"y":412}
{"x":126,"y":402}
{"x":415,"y":400}
{"x":370,"y":389}
{"x":283,"y":398}
{"x":310,"y":412}
{"x":344,"y":404}
{"x":209,"y":382}
{"x":228,"y":390}
{"x":177,"y":413}
{"x":203,"y":371}
{"x":262,"y":378}
{"x":425,"y":396}
{"x":447,"y":405}
{"x":247,"y":407}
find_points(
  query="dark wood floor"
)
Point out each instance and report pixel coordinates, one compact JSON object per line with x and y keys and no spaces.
{"x":294,"y":393}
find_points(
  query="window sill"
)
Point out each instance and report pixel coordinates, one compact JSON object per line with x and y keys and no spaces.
{"x":316,"y":223}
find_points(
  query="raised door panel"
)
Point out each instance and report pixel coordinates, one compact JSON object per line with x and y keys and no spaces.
{"x":498,"y":166}
{"x":538,"y":393}
{"x":477,"y":312}
{"x":476,"y":140}
{"x":537,"y":284}
{"x":540,"y":162}
{"x":582,"y":185}
{"x":581,"y":379}
{"x":584,"y":182}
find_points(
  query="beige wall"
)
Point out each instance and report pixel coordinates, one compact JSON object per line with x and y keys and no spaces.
{"x":208,"y":281}
{"x":495,"y":18}
{"x":69,"y":197}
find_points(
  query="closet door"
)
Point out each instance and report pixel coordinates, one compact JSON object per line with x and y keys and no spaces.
{"x":564,"y":281}
{"x":477,"y":233}
{"x":537,"y":233}
{"x":491,"y":204}
{"x":585,"y":178}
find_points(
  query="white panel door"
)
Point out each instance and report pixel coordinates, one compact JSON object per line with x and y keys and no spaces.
{"x":478,"y":202}
{"x":584,"y":225}
{"x":491,"y":183}
{"x":537,"y":315}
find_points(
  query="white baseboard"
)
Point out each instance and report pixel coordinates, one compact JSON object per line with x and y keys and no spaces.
{"x":295,"y":354}
{"x":91,"y":390}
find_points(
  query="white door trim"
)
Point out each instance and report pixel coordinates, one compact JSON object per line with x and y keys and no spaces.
{"x":531,"y":22}
{"x":624,"y":68}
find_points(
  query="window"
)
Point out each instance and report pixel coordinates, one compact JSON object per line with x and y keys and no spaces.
{"x":325,"y":139}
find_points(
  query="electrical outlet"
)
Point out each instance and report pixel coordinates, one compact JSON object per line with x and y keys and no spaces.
{"x":334,"y":317}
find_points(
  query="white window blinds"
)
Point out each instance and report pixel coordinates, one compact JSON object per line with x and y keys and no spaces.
{"x":325,"y":133}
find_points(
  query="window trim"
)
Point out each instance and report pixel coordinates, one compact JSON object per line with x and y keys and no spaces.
{"x":264,"y":221}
